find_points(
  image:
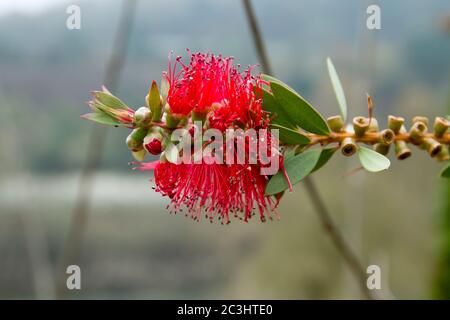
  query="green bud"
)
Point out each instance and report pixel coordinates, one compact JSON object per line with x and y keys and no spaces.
{"x":139,"y":134}
{"x":135,"y":139}
{"x":360,"y":126}
{"x":133,"y":145}
{"x":395,"y":123}
{"x":335,"y":123}
{"x":432,"y":146}
{"x":441,"y":126}
{"x":381,"y":148}
{"x":172,"y":120}
{"x":139,"y":155}
{"x":153,"y":100}
{"x":401,"y":150}
{"x":444,"y":154}
{"x":417,"y":132}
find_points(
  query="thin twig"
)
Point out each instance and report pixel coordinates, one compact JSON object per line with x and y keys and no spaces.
{"x":72,"y":246}
{"x":337,"y":238}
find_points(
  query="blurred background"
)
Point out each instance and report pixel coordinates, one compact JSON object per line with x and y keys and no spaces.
{"x":131,"y":246}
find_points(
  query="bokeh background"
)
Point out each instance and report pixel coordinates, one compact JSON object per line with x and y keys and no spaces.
{"x":132,"y":247}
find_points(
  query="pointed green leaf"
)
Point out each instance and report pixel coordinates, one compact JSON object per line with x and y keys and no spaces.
{"x":445,"y":173}
{"x":371,"y":160}
{"x":109,"y":100}
{"x":289,"y":153}
{"x":271,"y":80}
{"x":154,"y":99}
{"x":296,"y":110}
{"x":101,"y":118}
{"x":297,"y":168}
{"x":325,"y":155}
{"x":338,"y":90}
{"x":288,"y":132}
{"x":270,"y":104}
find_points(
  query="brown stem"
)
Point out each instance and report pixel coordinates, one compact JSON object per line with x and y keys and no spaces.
{"x":369,"y":137}
{"x":338,"y":240}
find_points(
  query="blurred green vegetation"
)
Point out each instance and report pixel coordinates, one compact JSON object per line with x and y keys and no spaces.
{"x":133,"y":248}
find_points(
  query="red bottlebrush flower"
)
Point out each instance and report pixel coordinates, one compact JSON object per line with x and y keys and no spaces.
{"x":215,"y":189}
{"x":213,"y":84}
{"x":209,"y":80}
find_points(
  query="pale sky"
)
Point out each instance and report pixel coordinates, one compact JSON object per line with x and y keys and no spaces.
{"x":27,"y":6}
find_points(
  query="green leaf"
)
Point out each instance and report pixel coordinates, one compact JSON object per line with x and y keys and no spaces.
{"x":325,"y":156}
{"x":371,"y":160}
{"x":101,"y":118}
{"x":109,"y":100}
{"x":290,"y":136}
{"x":445,"y":173}
{"x":271,"y":80}
{"x":338,"y":90}
{"x":271,"y":105}
{"x":287,"y":130}
{"x":296,"y":110}
{"x":154,"y":99}
{"x":297,"y":168}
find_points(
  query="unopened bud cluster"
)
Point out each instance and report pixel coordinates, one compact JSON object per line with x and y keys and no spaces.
{"x":434,"y":137}
{"x":148,"y":134}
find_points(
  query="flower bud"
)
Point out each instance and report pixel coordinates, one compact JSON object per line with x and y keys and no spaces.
{"x":142,"y":116}
{"x":417,"y":132}
{"x":395,"y":123}
{"x":441,"y":126}
{"x":443,"y":155}
{"x":153,"y":142}
{"x":139,"y":155}
{"x":401,"y":150}
{"x":432,"y":146}
{"x":335,"y":123}
{"x":172,"y":120}
{"x":135,"y":139}
{"x":381,"y":148}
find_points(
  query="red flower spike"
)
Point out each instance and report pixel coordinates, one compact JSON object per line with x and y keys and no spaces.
{"x":212,"y":84}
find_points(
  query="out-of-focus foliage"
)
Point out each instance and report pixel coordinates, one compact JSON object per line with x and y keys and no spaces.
{"x":133,"y":247}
